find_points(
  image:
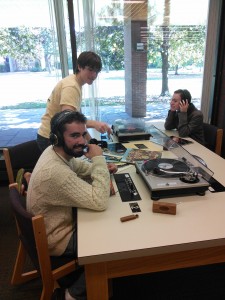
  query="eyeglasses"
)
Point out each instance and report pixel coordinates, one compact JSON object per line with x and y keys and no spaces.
{"x":92,"y":70}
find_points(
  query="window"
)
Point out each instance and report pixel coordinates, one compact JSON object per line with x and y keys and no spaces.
{"x":29,"y":52}
{"x":29,"y":66}
{"x":148,"y":48}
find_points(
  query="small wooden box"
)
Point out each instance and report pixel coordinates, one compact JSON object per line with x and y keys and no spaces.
{"x":164,"y":208}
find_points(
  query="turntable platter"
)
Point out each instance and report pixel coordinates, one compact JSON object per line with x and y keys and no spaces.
{"x":165,"y":167}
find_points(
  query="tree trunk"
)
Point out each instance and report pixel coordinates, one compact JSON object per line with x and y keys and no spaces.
{"x":165,"y":63}
{"x":165,"y":47}
{"x":47,"y":63}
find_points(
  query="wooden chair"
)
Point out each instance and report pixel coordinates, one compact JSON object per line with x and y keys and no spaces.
{"x":33,"y":242}
{"x":22,"y":181}
{"x":213,"y":137}
{"x":23,"y":155}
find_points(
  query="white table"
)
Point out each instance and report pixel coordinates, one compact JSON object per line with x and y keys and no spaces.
{"x":153,"y":242}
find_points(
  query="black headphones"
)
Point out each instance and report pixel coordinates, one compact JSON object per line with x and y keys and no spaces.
{"x":57,"y":121}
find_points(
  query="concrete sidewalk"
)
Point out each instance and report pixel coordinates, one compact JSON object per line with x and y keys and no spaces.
{"x":21,"y":125}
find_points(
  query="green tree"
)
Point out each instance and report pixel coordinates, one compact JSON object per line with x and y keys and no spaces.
{"x":45,"y":37}
{"x":4,"y":41}
{"x":182,"y":45}
{"x":21,"y":43}
{"x":110,"y":46}
{"x":187,"y":46}
{"x":27,"y":45}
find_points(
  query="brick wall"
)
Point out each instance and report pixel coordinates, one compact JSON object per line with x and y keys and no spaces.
{"x":135,"y":70}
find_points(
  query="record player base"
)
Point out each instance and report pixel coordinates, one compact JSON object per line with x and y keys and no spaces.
{"x":132,"y":137}
{"x":165,"y":185}
{"x":156,"y":195}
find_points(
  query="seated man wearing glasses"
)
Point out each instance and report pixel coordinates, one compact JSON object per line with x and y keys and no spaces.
{"x":67,"y":94}
{"x":185,"y":117}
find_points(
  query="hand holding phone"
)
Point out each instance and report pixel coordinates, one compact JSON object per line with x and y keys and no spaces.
{"x":85,"y":149}
{"x":183,"y":102}
{"x":92,"y":150}
{"x":184,"y":105}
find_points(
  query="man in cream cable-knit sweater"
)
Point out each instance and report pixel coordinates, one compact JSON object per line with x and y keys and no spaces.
{"x":57,"y":186}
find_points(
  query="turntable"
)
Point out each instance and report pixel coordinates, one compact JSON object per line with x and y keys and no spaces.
{"x":128,"y":130}
{"x":170,"y":177}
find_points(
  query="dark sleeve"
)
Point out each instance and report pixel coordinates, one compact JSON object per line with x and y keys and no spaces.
{"x":188,"y":127}
{"x":170,"y":122}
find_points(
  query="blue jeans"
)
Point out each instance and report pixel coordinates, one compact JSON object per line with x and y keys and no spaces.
{"x":42,"y":142}
{"x":78,"y":288}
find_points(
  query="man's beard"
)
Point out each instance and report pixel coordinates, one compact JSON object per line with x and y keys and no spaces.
{"x":73,"y":152}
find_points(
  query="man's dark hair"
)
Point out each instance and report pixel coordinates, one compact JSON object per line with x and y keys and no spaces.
{"x":184,"y":94}
{"x":58,"y":124}
{"x":89,"y":59}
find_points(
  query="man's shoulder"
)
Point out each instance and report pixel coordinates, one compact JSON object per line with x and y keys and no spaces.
{"x":51,"y":167}
{"x":69,"y":80}
{"x":46,"y":158}
{"x":195,"y":111}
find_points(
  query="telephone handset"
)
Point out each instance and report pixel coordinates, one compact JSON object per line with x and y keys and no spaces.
{"x":85,"y":149}
{"x":102,"y":144}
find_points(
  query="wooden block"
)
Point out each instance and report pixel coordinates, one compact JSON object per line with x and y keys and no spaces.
{"x":164,"y":208}
{"x":128,"y":218}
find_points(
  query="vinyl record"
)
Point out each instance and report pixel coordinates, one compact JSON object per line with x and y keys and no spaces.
{"x":165,"y":167}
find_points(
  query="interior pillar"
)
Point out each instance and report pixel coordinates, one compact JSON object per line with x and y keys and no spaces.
{"x":135,"y":65}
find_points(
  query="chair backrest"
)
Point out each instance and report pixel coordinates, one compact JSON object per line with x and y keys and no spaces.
{"x":213,"y":138}
{"x":23,"y":155}
{"x":24,"y":225}
{"x":32,"y":234}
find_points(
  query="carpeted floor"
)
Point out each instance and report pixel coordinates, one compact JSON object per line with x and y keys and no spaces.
{"x":206,"y":282}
